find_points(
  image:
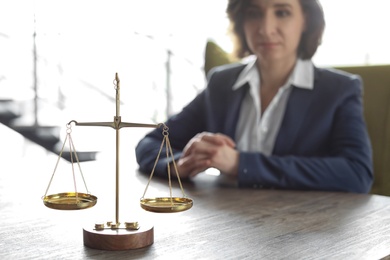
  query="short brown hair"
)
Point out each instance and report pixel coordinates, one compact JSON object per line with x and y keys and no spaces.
{"x":310,"y":39}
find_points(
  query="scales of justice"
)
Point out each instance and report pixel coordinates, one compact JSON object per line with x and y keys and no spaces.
{"x":109,"y":235}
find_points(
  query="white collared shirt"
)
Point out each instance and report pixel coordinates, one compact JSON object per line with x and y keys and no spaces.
{"x":257,"y":130}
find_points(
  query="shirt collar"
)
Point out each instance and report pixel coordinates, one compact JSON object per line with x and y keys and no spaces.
{"x":301,"y":77}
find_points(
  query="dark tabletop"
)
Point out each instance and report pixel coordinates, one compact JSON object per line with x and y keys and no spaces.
{"x":225,"y":222}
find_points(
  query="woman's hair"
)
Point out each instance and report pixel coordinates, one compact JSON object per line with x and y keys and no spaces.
{"x":310,"y":39}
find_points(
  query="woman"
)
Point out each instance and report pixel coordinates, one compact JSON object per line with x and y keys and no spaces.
{"x":277,"y":121}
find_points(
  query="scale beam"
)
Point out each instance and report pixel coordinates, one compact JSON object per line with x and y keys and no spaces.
{"x":114,"y":124}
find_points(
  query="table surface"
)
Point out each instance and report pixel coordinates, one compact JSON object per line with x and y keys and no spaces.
{"x":224,"y":223}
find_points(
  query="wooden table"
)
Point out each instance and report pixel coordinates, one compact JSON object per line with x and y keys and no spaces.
{"x":224,"y":223}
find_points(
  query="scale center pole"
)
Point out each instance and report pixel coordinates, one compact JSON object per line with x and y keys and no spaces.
{"x":117,"y":179}
{"x":117,"y":120}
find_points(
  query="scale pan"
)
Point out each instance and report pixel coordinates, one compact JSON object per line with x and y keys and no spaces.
{"x":70,"y":201}
{"x":166,"y":204}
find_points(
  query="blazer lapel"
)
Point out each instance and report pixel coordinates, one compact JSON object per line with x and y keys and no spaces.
{"x":233,"y":110}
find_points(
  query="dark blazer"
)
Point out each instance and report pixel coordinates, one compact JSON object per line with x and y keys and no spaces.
{"x":322,"y":143}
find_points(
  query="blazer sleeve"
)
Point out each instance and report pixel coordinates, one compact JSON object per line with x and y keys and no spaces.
{"x":182,"y":127}
{"x":207,"y":112}
{"x":330,"y":149}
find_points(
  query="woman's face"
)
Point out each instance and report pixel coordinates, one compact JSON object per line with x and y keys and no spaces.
{"x":273,"y":29}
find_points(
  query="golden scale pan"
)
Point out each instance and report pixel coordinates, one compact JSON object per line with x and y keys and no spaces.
{"x":69,"y":201}
{"x":77,"y":200}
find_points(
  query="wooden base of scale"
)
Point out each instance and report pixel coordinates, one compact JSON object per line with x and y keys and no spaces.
{"x":119,"y":239}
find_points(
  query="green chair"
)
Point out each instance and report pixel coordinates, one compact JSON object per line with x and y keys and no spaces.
{"x":376,"y":98}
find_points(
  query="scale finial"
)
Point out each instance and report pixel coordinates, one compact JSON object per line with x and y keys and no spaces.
{"x":117,"y":88}
{"x":117,"y":80}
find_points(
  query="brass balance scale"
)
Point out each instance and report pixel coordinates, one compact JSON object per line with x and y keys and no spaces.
{"x":117,"y":236}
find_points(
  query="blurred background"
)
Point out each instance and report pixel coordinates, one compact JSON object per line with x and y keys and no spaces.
{"x":58,"y":58}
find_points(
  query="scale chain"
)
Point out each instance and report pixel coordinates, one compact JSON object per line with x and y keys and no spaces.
{"x":169,"y":154}
{"x":72,"y":151}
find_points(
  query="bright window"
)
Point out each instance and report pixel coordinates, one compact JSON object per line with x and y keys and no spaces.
{"x":81,"y":44}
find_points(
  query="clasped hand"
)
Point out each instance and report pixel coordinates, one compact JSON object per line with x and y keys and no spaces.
{"x":207,"y":150}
